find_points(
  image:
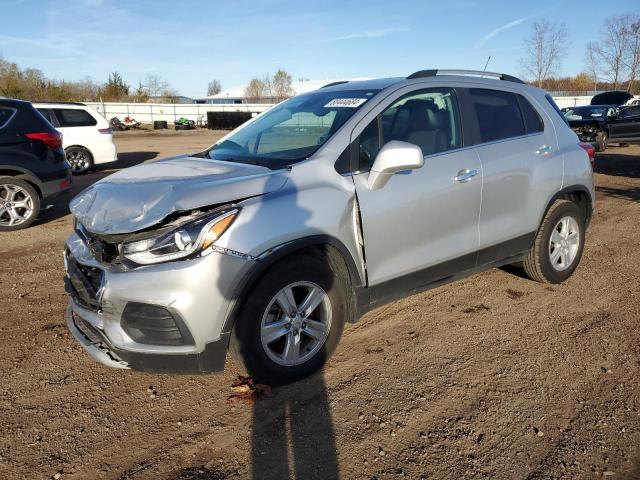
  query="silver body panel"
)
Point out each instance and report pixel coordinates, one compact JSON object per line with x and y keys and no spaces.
{"x":418,"y":219}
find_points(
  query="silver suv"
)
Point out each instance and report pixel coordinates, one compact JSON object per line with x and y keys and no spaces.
{"x":325,"y":206}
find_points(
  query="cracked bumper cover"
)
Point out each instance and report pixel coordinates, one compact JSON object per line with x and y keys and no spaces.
{"x":211,"y":359}
{"x":200,"y":291}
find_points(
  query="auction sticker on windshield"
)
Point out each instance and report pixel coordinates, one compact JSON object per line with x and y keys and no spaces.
{"x":345,"y":102}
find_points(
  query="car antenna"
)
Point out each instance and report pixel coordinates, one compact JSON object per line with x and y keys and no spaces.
{"x":486,"y":64}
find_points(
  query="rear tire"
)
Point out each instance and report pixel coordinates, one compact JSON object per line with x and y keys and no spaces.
{"x":276,"y":347}
{"x":19,"y":204}
{"x":80,"y":159}
{"x":601,"y":141}
{"x":557,"y":248}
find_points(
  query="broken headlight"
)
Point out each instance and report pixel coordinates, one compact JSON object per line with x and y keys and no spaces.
{"x":187,"y":239}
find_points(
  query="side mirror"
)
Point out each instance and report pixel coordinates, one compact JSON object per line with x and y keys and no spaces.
{"x":394,"y":157}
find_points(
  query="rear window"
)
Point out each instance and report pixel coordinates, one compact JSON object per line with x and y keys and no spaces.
{"x":553,"y":103}
{"x":5,"y":116}
{"x":532,"y":121}
{"x":68,"y":117}
{"x":498,"y":114}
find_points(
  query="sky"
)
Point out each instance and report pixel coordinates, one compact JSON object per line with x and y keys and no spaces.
{"x":189,"y":43}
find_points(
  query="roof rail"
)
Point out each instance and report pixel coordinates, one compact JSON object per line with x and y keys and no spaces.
{"x":59,"y":103}
{"x":476,"y":73}
{"x":335,"y":83}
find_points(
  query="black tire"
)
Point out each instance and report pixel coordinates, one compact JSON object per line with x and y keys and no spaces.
{"x":601,"y":141}
{"x":538,"y":264}
{"x":34,"y":199}
{"x":80,"y":159}
{"x":246,"y":344}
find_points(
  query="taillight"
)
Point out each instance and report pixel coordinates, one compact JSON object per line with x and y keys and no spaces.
{"x":105,"y":130}
{"x":53,"y":139}
{"x":591,"y":151}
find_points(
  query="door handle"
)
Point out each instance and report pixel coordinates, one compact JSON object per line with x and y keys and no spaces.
{"x":543,"y":150}
{"x":465,"y":175}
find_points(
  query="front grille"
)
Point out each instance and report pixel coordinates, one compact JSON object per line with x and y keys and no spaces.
{"x":83,"y":283}
{"x":88,"y":330}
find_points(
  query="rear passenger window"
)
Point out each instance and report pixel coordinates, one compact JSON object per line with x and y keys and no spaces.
{"x":498,"y":114}
{"x":46,"y":114}
{"x":5,"y":116}
{"x":68,"y":117}
{"x":532,"y":121}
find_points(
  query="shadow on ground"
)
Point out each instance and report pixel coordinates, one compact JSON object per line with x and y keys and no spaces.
{"x":618,"y":165}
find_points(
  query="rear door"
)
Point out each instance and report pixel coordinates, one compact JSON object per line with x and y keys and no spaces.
{"x":78,"y":127}
{"x":421,"y":218}
{"x":522,"y":167}
{"x":626,"y":126}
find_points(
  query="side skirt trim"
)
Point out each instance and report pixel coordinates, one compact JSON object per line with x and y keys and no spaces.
{"x":504,"y":253}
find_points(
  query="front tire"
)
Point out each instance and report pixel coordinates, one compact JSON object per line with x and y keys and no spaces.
{"x":557,"y":248}
{"x":292,"y":320}
{"x":80,"y":159}
{"x":19,"y":204}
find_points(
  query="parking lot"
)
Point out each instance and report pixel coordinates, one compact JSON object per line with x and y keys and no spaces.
{"x":494,"y":376}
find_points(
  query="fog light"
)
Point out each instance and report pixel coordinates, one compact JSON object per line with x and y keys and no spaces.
{"x":154,"y":325}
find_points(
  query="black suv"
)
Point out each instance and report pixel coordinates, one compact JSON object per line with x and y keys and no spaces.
{"x":32,"y":164}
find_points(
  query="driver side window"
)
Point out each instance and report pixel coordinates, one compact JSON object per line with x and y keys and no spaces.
{"x":427,"y":118}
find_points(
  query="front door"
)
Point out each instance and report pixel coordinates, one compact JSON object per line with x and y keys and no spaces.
{"x":626,"y":126}
{"x":426,"y":220}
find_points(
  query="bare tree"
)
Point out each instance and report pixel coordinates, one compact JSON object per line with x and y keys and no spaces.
{"x":610,"y":51}
{"x":214,"y":87}
{"x":155,"y":86}
{"x":255,"y":89}
{"x":592,"y":64}
{"x":544,"y":50}
{"x":268,"y":86}
{"x":282,"y":85}
{"x":632,"y":56}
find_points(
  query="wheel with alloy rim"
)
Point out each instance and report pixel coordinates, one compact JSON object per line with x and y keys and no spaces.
{"x":558,"y":245}
{"x":291,"y":321}
{"x":19,"y":204}
{"x":296,"y":323}
{"x":601,"y":141}
{"x":80,"y":159}
{"x":564,"y":243}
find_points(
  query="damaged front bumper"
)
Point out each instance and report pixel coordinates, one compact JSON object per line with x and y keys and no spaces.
{"x":170,"y":317}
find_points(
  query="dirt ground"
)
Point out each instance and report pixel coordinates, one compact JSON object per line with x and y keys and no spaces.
{"x":494,"y":376}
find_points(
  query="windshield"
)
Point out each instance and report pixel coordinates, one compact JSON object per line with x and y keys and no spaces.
{"x":293,"y":130}
{"x":585,"y":113}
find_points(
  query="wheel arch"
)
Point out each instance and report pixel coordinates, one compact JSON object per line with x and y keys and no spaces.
{"x":22,"y":175}
{"x":333,"y":249}
{"x":579,"y":194}
{"x":77,"y":145}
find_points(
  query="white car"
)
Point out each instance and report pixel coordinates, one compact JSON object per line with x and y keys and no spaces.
{"x":86,"y":136}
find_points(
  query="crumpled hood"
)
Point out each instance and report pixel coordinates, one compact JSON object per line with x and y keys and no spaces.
{"x":139,"y":197}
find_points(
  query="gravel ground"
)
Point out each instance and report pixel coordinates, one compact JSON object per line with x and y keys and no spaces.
{"x":494,"y":376}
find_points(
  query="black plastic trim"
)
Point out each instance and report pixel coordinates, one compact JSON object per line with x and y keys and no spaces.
{"x":572,"y":189}
{"x":211,"y":359}
{"x":504,"y":253}
{"x":332,"y":84}
{"x":136,"y":311}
